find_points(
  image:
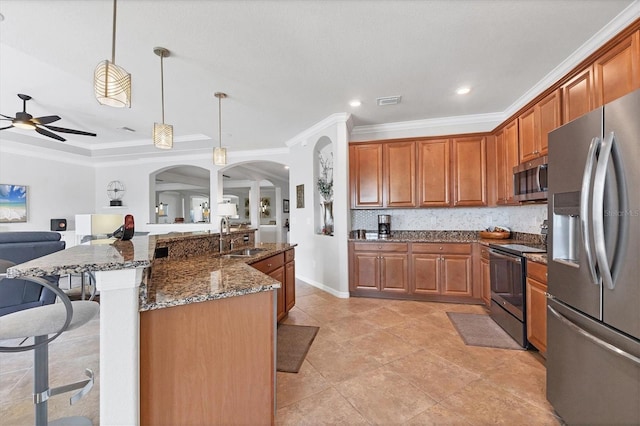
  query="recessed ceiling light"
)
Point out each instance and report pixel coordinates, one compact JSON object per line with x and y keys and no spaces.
{"x":463,"y":90}
{"x":286,"y":167}
{"x":355,"y":103}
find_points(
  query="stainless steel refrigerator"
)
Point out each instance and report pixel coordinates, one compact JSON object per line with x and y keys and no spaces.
{"x":593,"y":306}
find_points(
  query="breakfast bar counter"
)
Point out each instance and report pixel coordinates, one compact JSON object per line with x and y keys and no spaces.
{"x":210,"y":316}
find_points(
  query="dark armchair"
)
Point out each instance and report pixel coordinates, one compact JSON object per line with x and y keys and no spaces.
{"x":20,"y":247}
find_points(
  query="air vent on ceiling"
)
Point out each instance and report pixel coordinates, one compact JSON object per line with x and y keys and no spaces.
{"x":388,"y":100}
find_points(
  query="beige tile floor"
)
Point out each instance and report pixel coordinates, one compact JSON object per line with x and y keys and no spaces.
{"x":372,"y":362}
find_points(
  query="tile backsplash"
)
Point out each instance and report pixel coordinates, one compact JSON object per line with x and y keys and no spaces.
{"x":526,"y":219}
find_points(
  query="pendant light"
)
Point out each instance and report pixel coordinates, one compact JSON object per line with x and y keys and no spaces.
{"x":111,"y":83}
{"x":220,"y":153}
{"x":162,"y":133}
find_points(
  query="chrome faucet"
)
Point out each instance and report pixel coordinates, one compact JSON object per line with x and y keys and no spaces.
{"x":224,"y":225}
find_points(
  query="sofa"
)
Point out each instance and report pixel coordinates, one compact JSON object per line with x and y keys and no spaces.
{"x":20,"y":247}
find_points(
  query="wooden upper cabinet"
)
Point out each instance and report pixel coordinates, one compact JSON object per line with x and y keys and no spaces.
{"x":535,"y":124}
{"x":506,"y":141}
{"x":501,"y":174}
{"x":469,"y":171}
{"x":577,"y":95}
{"x":549,"y":118}
{"x":365,"y":175}
{"x":617,"y":72}
{"x":434,"y":173}
{"x":399,"y":174}
{"x":527,"y":135}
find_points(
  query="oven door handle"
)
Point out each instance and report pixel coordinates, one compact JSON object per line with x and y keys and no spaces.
{"x":510,"y":258}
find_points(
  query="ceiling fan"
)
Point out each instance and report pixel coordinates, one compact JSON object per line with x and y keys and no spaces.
{"x":24,"y":120}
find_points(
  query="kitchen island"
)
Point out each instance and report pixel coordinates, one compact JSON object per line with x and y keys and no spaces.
{"x":155,"y":310}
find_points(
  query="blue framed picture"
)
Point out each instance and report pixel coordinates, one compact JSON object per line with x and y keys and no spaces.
{"x":13,"y":203}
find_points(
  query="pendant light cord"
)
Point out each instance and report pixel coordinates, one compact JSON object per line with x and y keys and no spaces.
{"x":162,"y":83}
{"x":113,"y":37}
{"x":220,"y":121}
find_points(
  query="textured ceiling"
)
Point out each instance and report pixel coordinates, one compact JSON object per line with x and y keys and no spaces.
{"x":285,"y":65}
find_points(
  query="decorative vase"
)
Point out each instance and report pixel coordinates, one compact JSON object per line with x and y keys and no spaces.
{"x":327,"y":216}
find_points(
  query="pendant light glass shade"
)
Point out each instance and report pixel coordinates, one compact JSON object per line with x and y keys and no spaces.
{"x":220,"y":156}
{"x":112,"y":83}
{"x":220,"y":153}
{"x":162,"y":133}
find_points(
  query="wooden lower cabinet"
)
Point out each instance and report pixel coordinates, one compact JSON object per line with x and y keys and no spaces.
{"x":290,"y":285}
{"x":281,"y":267}
{"x":379,"y":268}
{"x":537,"y":305}
{"x":209,"y":363}
{"x":485,"y":275}
{"x":419,"y":271}
{"x":442,"y":269}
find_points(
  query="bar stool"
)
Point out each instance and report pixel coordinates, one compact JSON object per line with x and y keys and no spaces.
{"x":39,"y":323}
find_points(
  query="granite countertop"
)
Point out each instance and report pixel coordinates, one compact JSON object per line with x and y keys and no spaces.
{"x":450,"y":237}
{"x":97,"y":255}
{"x":195,"y":278}
{"x":536,"y":257}
{"x":206,"y":277}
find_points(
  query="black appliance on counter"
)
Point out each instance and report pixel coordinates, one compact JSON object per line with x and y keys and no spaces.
{"x":508,"y":288}
{"x":384,"y":225}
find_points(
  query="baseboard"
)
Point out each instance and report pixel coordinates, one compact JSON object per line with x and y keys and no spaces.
{"x":332,"y":291}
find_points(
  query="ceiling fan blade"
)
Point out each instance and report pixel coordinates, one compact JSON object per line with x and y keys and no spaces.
{"x":75,"y":132}
{"x":46,"y":119}
{"x":50,"y":134}
{"x":8,"y":127}
{"x":7,"y":117}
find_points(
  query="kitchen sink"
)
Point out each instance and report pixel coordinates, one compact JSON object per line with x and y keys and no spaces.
{"x":246,"y":252}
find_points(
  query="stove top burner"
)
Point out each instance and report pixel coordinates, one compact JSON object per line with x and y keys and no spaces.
{"x":517,"y":248}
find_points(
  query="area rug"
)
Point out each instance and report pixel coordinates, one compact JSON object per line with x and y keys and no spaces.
{"x":481,"y":330}
{"x":294,"y":342}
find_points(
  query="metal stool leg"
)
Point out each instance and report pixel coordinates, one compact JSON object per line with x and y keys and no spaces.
{"x":41,"y":380}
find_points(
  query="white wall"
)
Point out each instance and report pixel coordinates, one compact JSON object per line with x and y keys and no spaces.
{"x":59,"y":187}
{"x":321,"y":260}
{"x":139,"y":201}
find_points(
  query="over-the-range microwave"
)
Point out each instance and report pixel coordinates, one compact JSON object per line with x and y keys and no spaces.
{"x":530,"y":180}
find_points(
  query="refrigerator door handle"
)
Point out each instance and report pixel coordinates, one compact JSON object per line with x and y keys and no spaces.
{"x":598,"y":211}
{"x":596,"y":340}
{"x":585,"y":218}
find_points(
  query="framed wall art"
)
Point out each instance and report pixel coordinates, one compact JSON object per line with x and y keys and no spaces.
{"x":13,"y":203}
{"x":300,"y":196}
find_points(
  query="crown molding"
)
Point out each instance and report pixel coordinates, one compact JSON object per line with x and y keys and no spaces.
{"x":429,"y":127}
{"x":333,"y":119}
{"x":606,"y":33}
{"x":483,"y":120}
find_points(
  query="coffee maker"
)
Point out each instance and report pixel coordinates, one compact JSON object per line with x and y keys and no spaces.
{"x":384,"y":225}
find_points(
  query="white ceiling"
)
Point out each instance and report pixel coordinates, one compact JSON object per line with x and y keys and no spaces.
{"x":285,"y":65}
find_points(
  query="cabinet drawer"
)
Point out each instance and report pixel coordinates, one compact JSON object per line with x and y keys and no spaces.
{"x":289,"y":255}
{"x":269,"y":264}
{"x":450,"y":248}
{"x":537,"y":271}
{"x":378,"y":246}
